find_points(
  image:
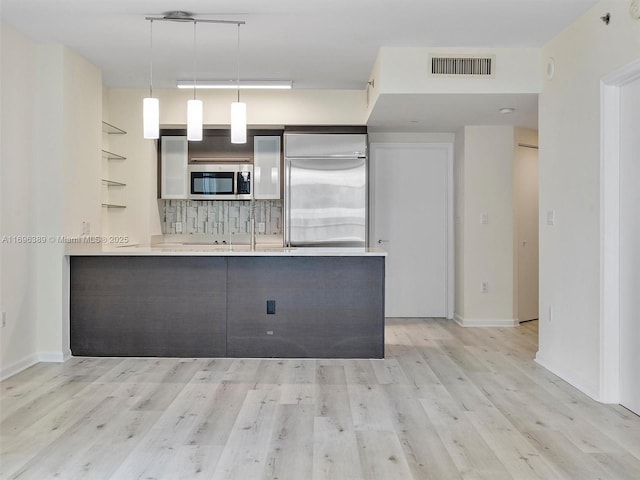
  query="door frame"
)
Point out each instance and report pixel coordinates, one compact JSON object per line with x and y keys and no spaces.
{"x":448,"y":148}
{"x":610,"y":111}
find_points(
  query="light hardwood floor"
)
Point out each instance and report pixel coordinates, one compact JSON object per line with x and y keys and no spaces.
{"x":446,"y":403}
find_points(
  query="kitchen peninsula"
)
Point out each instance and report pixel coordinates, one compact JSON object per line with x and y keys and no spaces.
{"x":227,"y":301}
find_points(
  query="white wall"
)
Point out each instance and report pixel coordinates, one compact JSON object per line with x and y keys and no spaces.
{"x":67,"y":184}
{"x":266,"y":107}
{"x":17,"y":204}
{"x":459,"y":215}
{"x":569,"y":112}
{"x":140,"y":219}
{"x":51,"y":111}
{"x":411,"y":137}
{"x":484,"y":252}
{"x":408,"y":70}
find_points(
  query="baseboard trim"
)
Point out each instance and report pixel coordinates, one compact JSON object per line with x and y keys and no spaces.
{"x":51,"y":357}
{"x":485,"y":322}
{"x":17,"y":367}
{"x":30,"y":360}
{"x":586,"y":387}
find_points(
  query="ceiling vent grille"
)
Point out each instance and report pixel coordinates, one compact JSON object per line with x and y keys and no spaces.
{"x":463,"y":65}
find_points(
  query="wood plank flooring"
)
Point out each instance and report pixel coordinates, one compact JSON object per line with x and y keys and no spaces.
{"x":446,"y":403}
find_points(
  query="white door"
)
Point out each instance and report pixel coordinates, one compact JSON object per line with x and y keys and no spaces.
{"x":411,"y":205}
{"x":630,"y":246}
{"x":526,"y":196}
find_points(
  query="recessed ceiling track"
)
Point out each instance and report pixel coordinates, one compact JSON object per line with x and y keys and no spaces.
{"x":470,"y":65}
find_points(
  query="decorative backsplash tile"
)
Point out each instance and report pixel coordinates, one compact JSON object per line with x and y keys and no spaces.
{"x":220,"y":217}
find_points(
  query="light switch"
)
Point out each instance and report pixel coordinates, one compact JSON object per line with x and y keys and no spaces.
{"x":551,"y":217}
{"x":484,"y":218}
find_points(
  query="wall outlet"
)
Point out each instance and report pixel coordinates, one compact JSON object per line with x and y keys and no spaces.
{"x":178,"y":227}
{"x":4,"y":319}
{"x":271,"y":307}
{"x":484,"y":287}
{"x":484,"y":218}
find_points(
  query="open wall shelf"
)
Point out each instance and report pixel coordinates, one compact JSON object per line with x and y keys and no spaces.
{"x":111,"y":183}
{"x":112,"y":156}
{"x":112,"y":129}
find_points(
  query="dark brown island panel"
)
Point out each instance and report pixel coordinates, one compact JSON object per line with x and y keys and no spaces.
{"x":227,"y":306}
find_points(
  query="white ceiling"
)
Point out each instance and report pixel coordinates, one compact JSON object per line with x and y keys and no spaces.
{"x":328,"y":44}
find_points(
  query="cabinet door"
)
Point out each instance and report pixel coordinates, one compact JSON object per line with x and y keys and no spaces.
{"x":266,"y":167}
{"x":148,"y":306}
{"x":324,"y":307}
{"x":174,"y":181}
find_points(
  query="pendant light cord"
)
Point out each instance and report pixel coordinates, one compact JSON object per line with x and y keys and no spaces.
{"x":151,"y":59}
{"x":238,"y":65}
{"x":194,"y":59}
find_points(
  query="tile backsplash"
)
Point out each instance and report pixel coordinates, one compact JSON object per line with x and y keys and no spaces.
{"x":220,"y":217}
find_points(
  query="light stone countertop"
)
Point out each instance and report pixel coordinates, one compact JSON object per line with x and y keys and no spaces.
{"x":190,"y":250}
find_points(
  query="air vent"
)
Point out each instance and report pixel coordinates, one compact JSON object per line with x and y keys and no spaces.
{"x":462,"y":65}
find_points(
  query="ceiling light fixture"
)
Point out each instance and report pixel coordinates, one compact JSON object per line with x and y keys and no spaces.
{"x":150,"y":105}
{"x":233,"y":84}
{"x":194,"y":107}
{"x":238,"y":109}
{"x":507,"y":110}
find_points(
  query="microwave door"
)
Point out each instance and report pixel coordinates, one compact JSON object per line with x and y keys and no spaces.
{"x":211,"y":184}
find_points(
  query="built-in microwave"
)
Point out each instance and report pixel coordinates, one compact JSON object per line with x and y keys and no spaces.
{"x":217,"y":181}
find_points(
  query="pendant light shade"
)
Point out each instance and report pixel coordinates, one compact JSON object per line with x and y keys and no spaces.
{"x":151,"y":117}
{"x":194,"y":120}
{"x":238,"y":122}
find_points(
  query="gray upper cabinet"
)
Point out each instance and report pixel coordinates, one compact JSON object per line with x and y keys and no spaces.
{"x":266,"y":167}
{"x":216,"y":146}
{"x":173,"y":166}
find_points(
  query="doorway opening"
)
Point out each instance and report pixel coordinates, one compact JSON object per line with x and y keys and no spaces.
{"x":525,"y":223}
{"x":619,"y":234}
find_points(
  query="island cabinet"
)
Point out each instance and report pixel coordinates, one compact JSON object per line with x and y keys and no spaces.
{"x":148,"y":306}
{"x":234,"y":306}
{"x":320,"y":307}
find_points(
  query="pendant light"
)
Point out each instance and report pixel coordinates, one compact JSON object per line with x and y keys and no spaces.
{"x":238,"y":110}
{"x":194,"y":107}
{"x":150,"y":105}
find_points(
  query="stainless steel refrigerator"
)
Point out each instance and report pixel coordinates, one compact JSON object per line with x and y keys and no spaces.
{"x":325,"y":190}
